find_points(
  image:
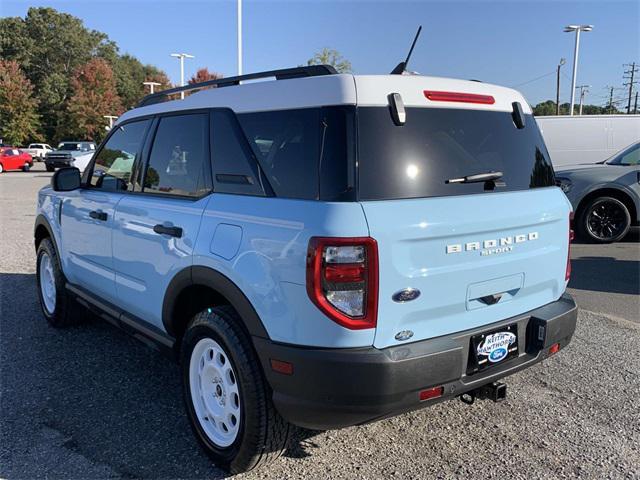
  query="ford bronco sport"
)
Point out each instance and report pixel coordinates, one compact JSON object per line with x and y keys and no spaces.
{"x":321,"y":250}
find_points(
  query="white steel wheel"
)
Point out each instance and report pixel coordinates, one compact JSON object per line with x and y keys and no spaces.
{"x":47,"y":283}
{"x":214,"y":392}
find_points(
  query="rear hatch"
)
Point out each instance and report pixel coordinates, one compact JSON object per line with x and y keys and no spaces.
{"x":477,"y":252}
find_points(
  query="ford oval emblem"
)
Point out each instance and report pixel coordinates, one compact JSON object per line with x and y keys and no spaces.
{"x":404,"y":335}
{"x":406,"y":295}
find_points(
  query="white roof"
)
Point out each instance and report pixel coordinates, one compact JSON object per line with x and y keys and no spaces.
{"x":342,"y":89}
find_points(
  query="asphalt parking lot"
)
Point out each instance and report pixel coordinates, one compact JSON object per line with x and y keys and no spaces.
{"x":90,"y":402}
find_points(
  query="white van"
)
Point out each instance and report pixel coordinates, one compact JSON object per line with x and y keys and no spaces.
{"x":587,"y":138}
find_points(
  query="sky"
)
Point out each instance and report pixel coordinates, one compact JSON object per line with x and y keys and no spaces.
{"x":513,"y":43}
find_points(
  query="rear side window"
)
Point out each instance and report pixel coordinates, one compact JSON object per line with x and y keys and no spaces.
{"x":287,"y":145}
{"x":179,"y":156}
{"x":235,"y":168}
{"x":112,"y":167}
{"x":435,"y":145}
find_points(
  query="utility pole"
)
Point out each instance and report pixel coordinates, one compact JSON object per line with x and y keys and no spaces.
{"x":583,"y":89}
{"x":182,"y":56}
{"x":631,"y":72}
{"x":562,"y":62}
{"x":610,"y":100}
{"x":635,"y":105}
{"x":576,"y":48}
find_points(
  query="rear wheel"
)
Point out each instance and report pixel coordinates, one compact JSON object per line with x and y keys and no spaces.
{"x":227,"y":398}
{"x":57,"y":305}
{"x":1,"y":168}
{"x":604,"y":220}
{"x":26,"y":167}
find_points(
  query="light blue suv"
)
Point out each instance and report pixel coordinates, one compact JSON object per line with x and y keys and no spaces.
{"x":321,"y":250}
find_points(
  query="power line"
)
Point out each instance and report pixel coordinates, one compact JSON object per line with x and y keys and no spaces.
{"x":535,"y":79}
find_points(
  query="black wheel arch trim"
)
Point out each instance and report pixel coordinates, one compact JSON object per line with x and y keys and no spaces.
{"x":42,"y":221}
{"x":208,"y":277}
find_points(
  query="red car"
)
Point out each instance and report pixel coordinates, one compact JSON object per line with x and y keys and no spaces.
{"x":12,"y":158}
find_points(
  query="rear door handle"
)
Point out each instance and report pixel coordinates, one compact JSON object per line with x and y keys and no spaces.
{"x":98,"y":215}
{"x":171,"y":231}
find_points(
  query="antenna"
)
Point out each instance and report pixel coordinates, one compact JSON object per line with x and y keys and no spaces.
{"x":402,"y":66}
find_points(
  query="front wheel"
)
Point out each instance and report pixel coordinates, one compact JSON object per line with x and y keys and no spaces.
{"x":604,"y":220}
{"x":227,"y":398}
{"x":1,"y":168}
{"x":50,"y":169}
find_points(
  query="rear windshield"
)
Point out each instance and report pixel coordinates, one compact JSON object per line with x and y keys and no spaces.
{"x":415,"y":160}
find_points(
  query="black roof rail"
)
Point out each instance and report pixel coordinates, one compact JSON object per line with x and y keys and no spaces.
{"x":282,"y":74}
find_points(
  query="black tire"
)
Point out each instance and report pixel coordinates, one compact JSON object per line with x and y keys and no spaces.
{"x":263,"y":434}
{"x":66,"y":311}
{"x":50,"y":169}
{"x":26,"y":168}
{"x":603,"y":220}
{"x":1,"y":168}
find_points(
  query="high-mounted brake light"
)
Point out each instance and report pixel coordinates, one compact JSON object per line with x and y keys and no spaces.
{"x":567,"y":274}
{"x":342,"y":279}
{"x":437,"y":96}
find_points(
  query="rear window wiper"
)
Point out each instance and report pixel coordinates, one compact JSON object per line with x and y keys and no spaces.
{"x":477,"y":178}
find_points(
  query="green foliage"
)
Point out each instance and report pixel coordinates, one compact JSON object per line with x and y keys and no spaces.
{"x":18,"y":118}
{"x":329,"y":56}
{"x":49,"y":47}
{"x":549,"y":108}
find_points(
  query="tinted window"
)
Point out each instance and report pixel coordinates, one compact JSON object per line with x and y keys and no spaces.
{"x":178,"y":156}
{"x":631,"y":156}
{"x":234,"y":165}
{"x":113,"y":165}
{"x":287,"y":145}
{"x":435,"y":145}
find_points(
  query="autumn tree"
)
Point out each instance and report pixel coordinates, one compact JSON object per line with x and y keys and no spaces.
{"x":18,"y":118}
{"x":329,"y":56}
{"x":93,"y":96}
{"x":204,"y":75}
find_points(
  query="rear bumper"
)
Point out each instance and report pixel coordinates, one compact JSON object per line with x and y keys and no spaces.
{"x":335,"y":388}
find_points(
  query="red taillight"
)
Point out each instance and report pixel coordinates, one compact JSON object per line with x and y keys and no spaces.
{"x":555,"y":348}
{"x":436,"y":96}
{"x":342,"y":279}
{"x":567,"y":274}
{"x":430,"y":393}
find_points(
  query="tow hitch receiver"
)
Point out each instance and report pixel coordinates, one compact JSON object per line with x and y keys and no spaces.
{"x":496,"y":391}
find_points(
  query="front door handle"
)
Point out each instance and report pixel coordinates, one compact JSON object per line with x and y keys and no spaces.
{"x":102,"y":216}
{"x":171,"y":231}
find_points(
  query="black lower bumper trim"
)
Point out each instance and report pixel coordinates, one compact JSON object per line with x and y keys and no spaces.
{"x":335,"y":388}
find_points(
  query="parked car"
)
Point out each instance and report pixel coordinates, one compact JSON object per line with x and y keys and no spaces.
{"x":322,"y":250}
{"x":12,"y":158}
{"x":38,"y":150}
{"x":587,"y":138}
{"x":70,"y":154}
{"x":605,"y":196}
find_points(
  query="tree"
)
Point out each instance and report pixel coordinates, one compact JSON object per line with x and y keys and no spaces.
{"x":93,"y":96}
{"x":18,"y":118}
{"x":203,"y":75}
{"x":549,"y":108}
{"x":328,"y":56}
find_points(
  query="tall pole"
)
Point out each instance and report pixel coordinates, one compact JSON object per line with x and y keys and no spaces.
{"x":583,"y":91}
{"x":611,"y":100}
{"x":632,"y":72}
{"x":576,"y":49}
{"x":635,"y":105}
{"x":562,"y":62}
{"x":151,"y":85}
{"x":182,"y":56}
{"x":239,"y":37}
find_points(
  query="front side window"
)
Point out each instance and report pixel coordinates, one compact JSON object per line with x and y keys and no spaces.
{"x":178,"y":156}
{"x":631,"y":156}
{"x":113,"y":165}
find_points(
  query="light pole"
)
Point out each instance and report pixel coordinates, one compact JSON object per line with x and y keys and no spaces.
{"x":239,"y":37}
{"x":584,"y":89}
{"x":111,"y":119}
{"x":577,"y":29}
{"x":182,"y":56}
{"x":151,"y":85}
{"x":562,"y":62}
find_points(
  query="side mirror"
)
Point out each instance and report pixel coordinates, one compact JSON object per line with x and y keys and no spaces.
{"x":65,"y":179}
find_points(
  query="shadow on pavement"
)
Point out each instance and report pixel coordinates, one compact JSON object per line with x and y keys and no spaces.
{"x":605,"y":274}
{"x":116,"y":403}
